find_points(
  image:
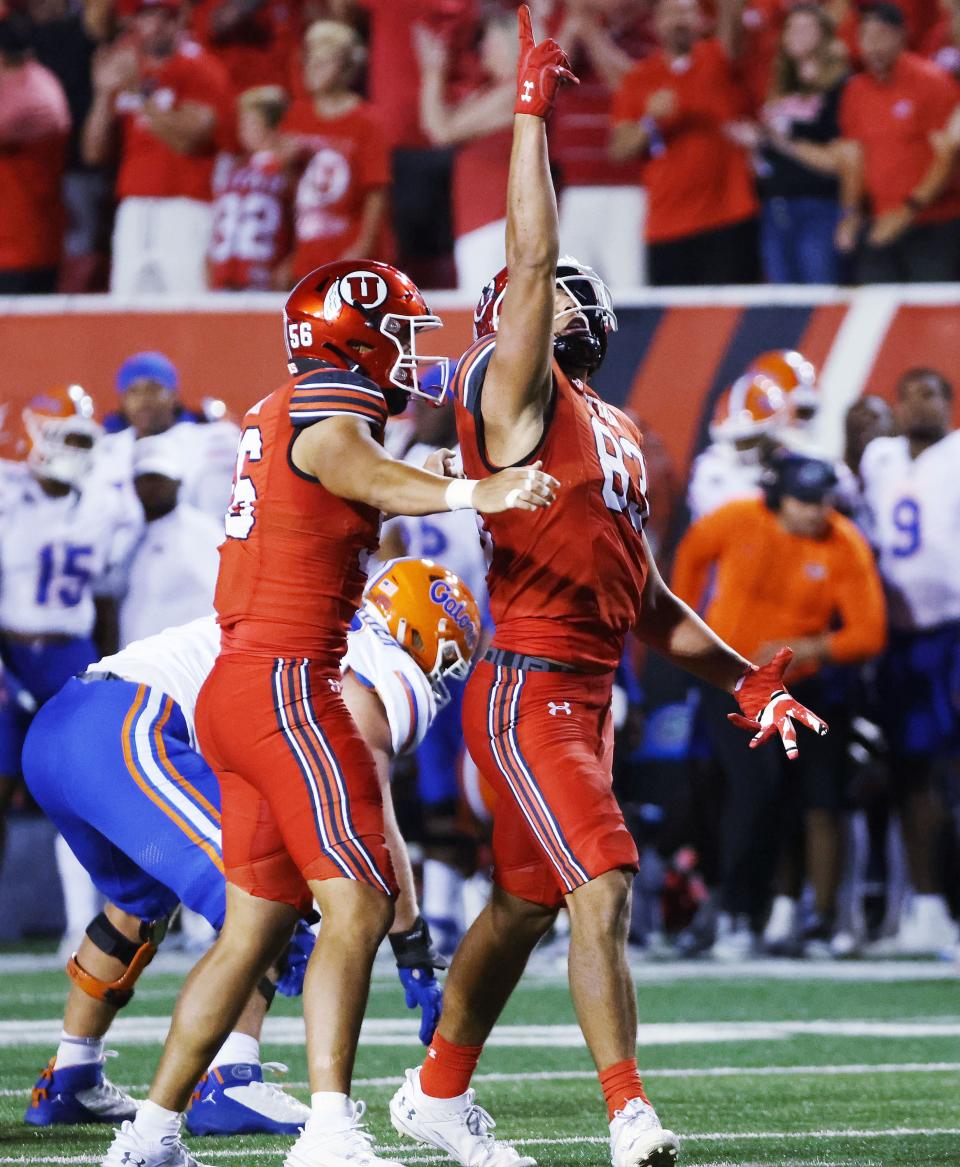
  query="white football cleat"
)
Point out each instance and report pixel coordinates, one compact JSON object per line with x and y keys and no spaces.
{"x":781,"y":927}
{"x":130,"y":1149}
{"x":735,"y":941}
{"x":927,"y":927}
{"x":343,"y":1143}
{"x":638,"y":1140}
{"x":455,"y":1125}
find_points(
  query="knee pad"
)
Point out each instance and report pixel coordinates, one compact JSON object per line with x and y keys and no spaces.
{"x":136,"y":955}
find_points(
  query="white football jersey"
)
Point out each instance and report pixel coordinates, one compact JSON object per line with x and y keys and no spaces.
{"x":915,"y":526}
{"x":171,"y":574}
{"x":378,"y":662}
{"x":56,"y":554}
{"x":176,"y":661}
{"x":451,"y":538}
{"x":718,"y":476}
{"x":208,"y":454}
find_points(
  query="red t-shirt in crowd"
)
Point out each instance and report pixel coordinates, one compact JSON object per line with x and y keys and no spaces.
{"x":763,"y":22}
{"x":701,"y":180}
{"x":348,"y":158}
{"x":34,"y":123}
{"x":893,"y":120}
{"x":149,"y":168}
{"x":580,"y":126}
{"x":480,"y":170}
{"x":393,"y":76}
{"x":252,"y":212}
{"x":262,"y":50}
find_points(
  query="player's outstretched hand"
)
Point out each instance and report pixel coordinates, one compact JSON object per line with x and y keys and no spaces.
{"x":768,"y":708}
{"x":524,"y":488}
{"x":541,"y":70}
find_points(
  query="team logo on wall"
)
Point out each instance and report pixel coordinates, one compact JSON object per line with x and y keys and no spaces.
{"x":363,"y":289}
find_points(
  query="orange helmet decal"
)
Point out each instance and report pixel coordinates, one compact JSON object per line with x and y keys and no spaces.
{"x":430,"y":612}
{"x":753,"y":405}
{"x":364,"y":316}
{"x":796,"y":376}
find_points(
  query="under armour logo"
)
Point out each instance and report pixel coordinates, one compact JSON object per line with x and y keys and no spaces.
{"x":335,"y":686}
{"x":527,"y":91}
{"x":556,"y":707}
{"x":134,"y":1161}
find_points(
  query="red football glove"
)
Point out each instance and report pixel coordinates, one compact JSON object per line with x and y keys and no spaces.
{"x":541,"y":70}
{"x":769,"y":708}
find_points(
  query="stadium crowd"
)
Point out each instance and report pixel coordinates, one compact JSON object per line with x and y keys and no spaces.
{"x":164,"y":147}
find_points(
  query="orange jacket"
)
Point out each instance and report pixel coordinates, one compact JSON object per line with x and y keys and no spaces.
{"x":771,"y":586}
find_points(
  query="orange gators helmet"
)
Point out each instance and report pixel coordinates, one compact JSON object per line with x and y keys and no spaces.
{"x":582,"y":347}
{"x":61,"y":434}
{"x":363,"y":316}
{"x":431,"y":613}
{"x":753,"y":405}
{"x":796,"y":376}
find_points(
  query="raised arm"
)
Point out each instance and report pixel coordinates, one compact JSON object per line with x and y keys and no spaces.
{"x":447,"y":124}
{"x":518,"y":382}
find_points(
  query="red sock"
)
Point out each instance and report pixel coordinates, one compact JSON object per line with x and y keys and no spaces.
{"x":448,"y":1068}
{"x":621,"y":1082}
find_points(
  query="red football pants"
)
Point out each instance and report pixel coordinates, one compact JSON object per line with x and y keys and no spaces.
{"x":544,"y":742}
{"x":299,"y":789}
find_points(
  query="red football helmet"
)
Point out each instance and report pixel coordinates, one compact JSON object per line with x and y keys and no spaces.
{"x":431,"y":613}
{"x":581,"y":348}
{"x":363,"y":316}
{"x":796,"y":376}
{"x":60,"y":434}
{"x":753,"y":405}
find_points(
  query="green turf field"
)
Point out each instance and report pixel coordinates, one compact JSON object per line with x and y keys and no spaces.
{"x":748,"y":1069}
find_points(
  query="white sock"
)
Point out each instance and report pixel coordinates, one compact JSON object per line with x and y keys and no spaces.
{"x":329,"y":1109}
{"x":78,"y":1051}
{"x":153,"y":1122}
{"x":238,"y":1049}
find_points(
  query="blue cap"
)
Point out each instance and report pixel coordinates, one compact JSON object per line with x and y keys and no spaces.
{"x":150,"y":367}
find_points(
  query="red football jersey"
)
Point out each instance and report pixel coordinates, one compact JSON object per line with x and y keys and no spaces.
{"x":252,"y":198}
{"x":149,"y":168}
{"x":294,"y":561}
{"x":348,"y":158}
{"x":565,"y":581}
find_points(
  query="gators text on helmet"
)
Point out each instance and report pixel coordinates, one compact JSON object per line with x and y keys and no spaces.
{"x":431,"y":613}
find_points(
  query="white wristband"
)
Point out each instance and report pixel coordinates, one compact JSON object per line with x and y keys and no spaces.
{"x":459,"y":494}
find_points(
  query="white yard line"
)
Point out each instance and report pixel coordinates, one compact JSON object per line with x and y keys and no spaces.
{"x":549,"y":968}
{"x":402,"y":1032}
{"x":410,"y":1155}
{"x":653,"y":1075}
